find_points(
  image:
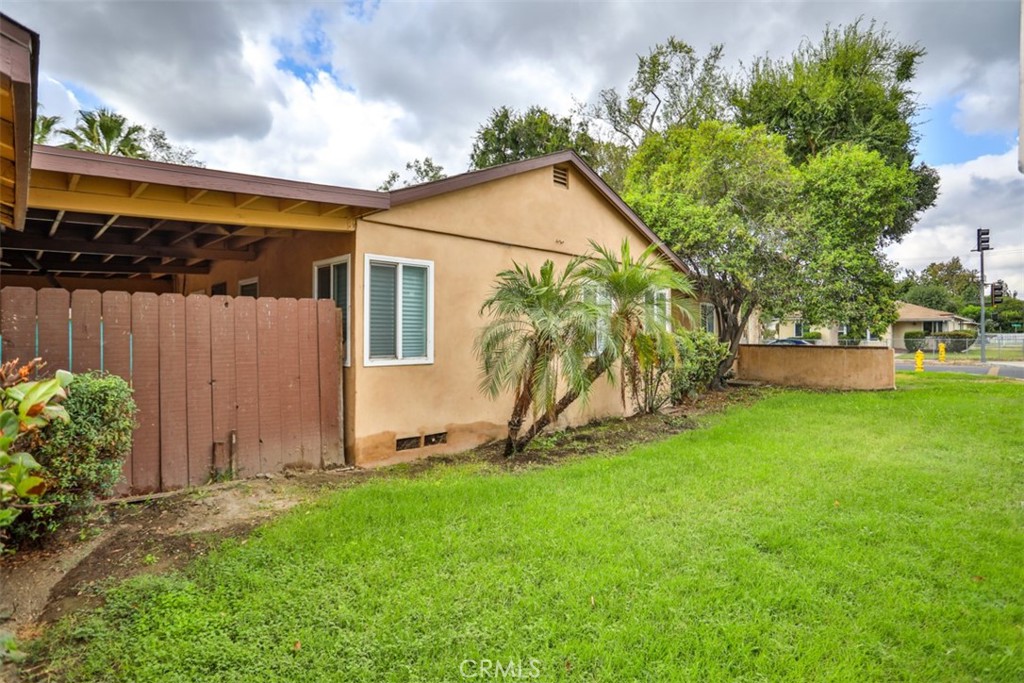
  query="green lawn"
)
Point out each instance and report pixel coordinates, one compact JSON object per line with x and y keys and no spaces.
{"x":813,"y":536}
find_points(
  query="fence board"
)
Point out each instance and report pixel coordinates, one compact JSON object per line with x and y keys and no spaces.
{"x":173,"y":399}
{"x":309,"y":390}
{"x":222,"y":373}
{"x":18,"y":324}
{"x":117,"y":333}
{"x":269,"y":348}
{"x":116,"y":308}
{"x":328,"y":326}
{"x":200,"y":400}
{"x":146,"y":385}
{"x":291,"y":428}
{"x":85,"y":330}
{"x":247,"y":416}
{"x":53,"y":310}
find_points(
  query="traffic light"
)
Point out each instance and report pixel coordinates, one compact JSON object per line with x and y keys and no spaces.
{"x":983,"y":244}
{"x":997,"y":292}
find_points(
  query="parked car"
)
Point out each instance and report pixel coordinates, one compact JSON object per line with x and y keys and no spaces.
{"x":790,"y":341}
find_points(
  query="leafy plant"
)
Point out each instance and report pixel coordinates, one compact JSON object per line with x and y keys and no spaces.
{"x":83,"y":457}
{"x":25,"y":406}
{"x":914,"y":340}
{"x":956,"y":341}
{"x":812,"y":336}
{"x":701,"y":354}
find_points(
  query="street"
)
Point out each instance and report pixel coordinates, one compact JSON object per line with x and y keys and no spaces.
{"x":1015,"y":370}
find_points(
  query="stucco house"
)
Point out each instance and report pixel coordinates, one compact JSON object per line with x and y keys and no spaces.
{"x":914,"y":318}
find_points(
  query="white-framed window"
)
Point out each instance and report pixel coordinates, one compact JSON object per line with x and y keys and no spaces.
{"x":398,"y":328}
{"x":799,"y":328}
{"x":707,"y":318}
{"x":249,"y":287}
{"x":332,"y":280}
{"x":595,"y":294}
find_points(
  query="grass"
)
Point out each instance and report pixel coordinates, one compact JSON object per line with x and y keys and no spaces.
{"x":813,"y":536}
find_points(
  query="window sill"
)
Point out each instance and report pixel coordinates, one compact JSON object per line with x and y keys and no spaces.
{"x":382,"y":362}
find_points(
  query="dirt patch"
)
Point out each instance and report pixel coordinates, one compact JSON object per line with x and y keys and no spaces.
{"x":73,"y":569}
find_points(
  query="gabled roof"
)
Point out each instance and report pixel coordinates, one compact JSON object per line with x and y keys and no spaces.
{"x":462,"y":181}
{"x":911,"y":313}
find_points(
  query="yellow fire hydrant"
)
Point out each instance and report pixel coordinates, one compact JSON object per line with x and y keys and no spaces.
{"x":919,"y":361}
{"x":942,"y":353}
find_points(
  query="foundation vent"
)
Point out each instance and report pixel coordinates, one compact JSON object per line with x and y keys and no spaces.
{"x":408,"y":443}
{"x":434,"y":439}
{"x":561,"y":176}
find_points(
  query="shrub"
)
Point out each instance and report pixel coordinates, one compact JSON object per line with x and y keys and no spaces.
{"x":849,"y":340}
{"x":82,"y":458}
{"x":812,"y":336}
{"x":956,"y":341}
{"x":914,"y":340}
{"x":700,"y":354}
{"x":25,"y":406}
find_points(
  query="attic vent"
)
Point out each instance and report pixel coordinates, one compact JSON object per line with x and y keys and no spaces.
{"x":407,"y":443}
{"x":561,"y":176}
{"x":434,"y":439}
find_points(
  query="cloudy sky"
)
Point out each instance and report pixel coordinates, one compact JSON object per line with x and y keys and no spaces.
{"x":342,"y":92}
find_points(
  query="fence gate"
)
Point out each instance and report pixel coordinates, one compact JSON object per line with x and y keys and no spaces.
{"x":219,"y":381}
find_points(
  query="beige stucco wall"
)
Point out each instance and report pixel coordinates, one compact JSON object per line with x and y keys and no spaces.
{"x":470,"y":236}
{"x":820,"y":367}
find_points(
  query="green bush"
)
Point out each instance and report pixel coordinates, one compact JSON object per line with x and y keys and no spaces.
{"x":914,"y":340}
{"x":82,"y":458}
{"x":812,"y":336}
{"x":956,"y":341}
{"x":849,"y":340}
{"x":700,"y":353}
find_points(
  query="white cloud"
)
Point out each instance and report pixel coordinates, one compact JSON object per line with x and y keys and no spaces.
{"x":987,"y":192}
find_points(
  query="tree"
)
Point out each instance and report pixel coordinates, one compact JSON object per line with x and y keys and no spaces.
{"x":158,"y":148}
{"x":851,"y":87}
{"x":105,"y":132}
{"x":536,"y":342}
{"x":45,"y":129}
{"x":722,"y":197}
{"x":848,"y":199}
{"x":640,"y":298}
{"x":509,"y":135}
{"x":425,"y":171}
{"x":961,"y":284}
{"x":672,"y":87}
{"x":931,"y":296}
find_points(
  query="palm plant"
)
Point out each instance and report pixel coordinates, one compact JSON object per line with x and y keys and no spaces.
{"x":44,"y":129}
{"x":643,"y":294}
{"x":106,"y":132}
{"x":536,"y":342}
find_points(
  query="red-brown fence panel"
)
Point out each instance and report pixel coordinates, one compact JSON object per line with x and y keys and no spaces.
{"x":200,"y":400}
{"x":53,"y":311}
{"x":86,"y":332}
{"x":213,"y":377}
{"x":18,"y":323}
{"x":309,"y":391}
{"x":222,"y":376}
{"x":247,"y":383}
{"x":173,"y":399}
{"x":328,"y":334}
{"x":146,"y":387}
{"x":269,"y":350}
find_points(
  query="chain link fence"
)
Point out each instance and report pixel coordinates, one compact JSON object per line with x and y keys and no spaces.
{"x":998,"y":347}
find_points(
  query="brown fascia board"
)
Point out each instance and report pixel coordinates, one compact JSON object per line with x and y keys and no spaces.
{"x":59,"y":159}
{"x":19,"y":61}
{"x":472,"y":178}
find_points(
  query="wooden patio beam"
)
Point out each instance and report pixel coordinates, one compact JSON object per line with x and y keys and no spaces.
{"x":22,"y":242}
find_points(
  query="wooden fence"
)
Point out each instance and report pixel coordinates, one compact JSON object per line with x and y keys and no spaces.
{"x":219,"y":381}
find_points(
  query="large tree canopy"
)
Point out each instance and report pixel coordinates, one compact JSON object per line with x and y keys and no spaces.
{"x":759,"y":233}
{"x":851,"y":87}
{"x":722,"y":197}
{"x":509,"y":135}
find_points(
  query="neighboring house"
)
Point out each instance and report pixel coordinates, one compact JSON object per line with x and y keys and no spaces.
{"x":830,"y":335}
{"x":914,"y":318}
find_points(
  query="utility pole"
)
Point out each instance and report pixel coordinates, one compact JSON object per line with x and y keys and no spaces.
{"x":983,"y":246}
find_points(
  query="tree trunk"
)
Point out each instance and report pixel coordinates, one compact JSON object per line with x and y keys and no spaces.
{"x":732,"y":330}
{"x":596,"y":369}
{"x":519,"y":408}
